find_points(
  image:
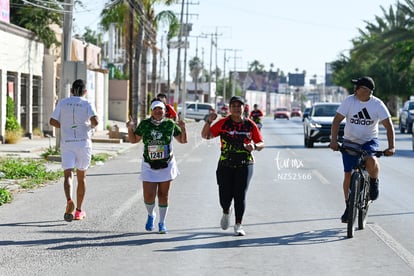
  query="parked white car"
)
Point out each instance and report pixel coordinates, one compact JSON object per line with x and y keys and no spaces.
{"x":198,"y":111}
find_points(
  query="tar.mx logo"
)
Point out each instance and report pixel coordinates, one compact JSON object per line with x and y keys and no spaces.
{"x":290,"y":169}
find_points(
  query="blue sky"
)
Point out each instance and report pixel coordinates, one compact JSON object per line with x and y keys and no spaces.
{"x":290,"y":34}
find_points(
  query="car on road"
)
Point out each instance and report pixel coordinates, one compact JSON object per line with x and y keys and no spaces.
{"x":317,"y":124}
{"x":407,"y":117}
{"x":305,"y":113}
{"x":281,"y":112}
{"x":295,"y":112}
{"x":198,"y":111}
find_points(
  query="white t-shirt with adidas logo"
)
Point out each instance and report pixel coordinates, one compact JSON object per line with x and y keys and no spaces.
{"x":362,"y":118}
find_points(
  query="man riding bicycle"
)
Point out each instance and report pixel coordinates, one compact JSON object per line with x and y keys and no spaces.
{"x":256,"y":115}
{"x":362,"y":112}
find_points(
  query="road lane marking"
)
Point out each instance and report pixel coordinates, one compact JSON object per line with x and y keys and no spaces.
{"x":321,"y":178}
{"x":400,"y":250}
{"x":123,"y":208}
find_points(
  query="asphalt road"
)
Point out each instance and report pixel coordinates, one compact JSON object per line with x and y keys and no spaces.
{"x":292,"y":218}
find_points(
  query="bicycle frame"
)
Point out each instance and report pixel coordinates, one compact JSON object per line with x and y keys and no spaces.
{"x":358,"y":200}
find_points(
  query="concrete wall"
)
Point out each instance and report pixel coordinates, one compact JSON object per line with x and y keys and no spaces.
{"x":118,"y":100}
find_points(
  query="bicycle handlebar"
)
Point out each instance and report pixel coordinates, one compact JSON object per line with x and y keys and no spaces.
{"x":377,"y":153}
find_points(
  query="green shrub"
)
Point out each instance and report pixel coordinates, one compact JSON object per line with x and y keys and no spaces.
{"x":30,"y":172}
{"x":12,"y":124}
{"x":5,"y":196}
{"x":51,"y":151}
{"x":11,"y":121}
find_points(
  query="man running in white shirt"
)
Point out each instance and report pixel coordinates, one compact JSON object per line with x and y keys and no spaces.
{"x":75,"y":117}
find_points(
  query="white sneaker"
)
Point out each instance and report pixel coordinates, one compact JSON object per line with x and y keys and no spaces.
{"x":225,"y":221}
{"x":238,"y":230}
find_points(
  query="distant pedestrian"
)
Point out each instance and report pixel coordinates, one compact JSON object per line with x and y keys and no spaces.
{"x":75,"y":117}
{"x":159,"y":167}
{"x":239,"y":136}
{"x":170,"y":113}
{"x":246,"y":110}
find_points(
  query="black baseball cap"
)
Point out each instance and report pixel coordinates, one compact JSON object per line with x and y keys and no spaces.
{"x":364,"y":81}
{"x":236,"y":99}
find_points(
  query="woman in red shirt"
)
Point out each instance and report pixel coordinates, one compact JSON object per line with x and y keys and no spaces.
{"x":239,"y":136}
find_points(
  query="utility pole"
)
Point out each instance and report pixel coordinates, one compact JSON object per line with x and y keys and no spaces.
{"x":66,"y":46}
{"x":214,"y":39}
{"x":65,"y":55}
{"x":233,"y":88}
{"x":199,"y":66}
{"x":184,"y":91}
{"x":178,"y":71}
{"x":224,"y":73}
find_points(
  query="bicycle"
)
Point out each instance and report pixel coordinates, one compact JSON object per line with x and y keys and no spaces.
{"x":358,"y":200}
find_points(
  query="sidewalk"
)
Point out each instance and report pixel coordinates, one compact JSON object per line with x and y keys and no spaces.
{"x":33,"y":148}
{"x":102,"y":143}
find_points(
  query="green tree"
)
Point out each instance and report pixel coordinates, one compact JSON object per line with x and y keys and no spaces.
{"x":37,"y":16}
{"x":256,"y":67}
{"x":149,"y":25}
{"x":125,"y":19}
{"x":384,"y":50}
{"x":92,"y":37}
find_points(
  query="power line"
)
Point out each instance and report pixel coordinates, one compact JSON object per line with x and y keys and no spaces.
{"x":45,"y":7}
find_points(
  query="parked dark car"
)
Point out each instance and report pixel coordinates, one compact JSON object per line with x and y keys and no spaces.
{"x":317,"y":124}
{"x":407,"y":117}
{"x":305,"y":113}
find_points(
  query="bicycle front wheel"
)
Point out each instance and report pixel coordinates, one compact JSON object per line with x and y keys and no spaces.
{"x":364,"y":201}
{"x":353,"y":202}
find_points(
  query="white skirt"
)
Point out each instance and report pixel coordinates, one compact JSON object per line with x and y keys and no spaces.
{"x":161,"y":175}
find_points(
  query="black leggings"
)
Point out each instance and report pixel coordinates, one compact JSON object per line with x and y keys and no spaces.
{"x":233,"y":184}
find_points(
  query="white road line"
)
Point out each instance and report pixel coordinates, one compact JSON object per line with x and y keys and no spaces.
{"x":123,"y":208}
{"x":321,"y":178}
{"x":403,"y":253}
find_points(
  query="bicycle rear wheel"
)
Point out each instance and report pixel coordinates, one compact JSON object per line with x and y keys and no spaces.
{"x":364,"y":201}
{"x":352,"y":203}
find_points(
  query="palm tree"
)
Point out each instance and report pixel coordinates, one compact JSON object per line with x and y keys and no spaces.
{"x":148,"y":25}
{"x":196,"y":65}
{"x":122,"y":15}
{"x":387,"y":48}
{"x":170,"y":19}
{"x":139,"y":36}
{"x":256,"y":67}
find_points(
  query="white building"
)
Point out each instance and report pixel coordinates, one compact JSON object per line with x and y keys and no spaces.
{"x":21,"y":72}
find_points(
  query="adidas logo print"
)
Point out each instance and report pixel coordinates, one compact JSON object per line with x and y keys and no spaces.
{"x":362,"y":118}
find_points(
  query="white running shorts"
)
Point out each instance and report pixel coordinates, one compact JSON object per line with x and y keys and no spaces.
{"x":76,"y":157}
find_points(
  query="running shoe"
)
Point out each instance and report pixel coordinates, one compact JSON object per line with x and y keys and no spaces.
{"x":238,"y":230}
{"x":70,"y":207}
{"x":373,"y":189}
{"x":344,"y":217}
{"x":162,"y":229}
{"x":225,"y":221}
{"x":80,"y":215}
{"x":149,"y":226}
